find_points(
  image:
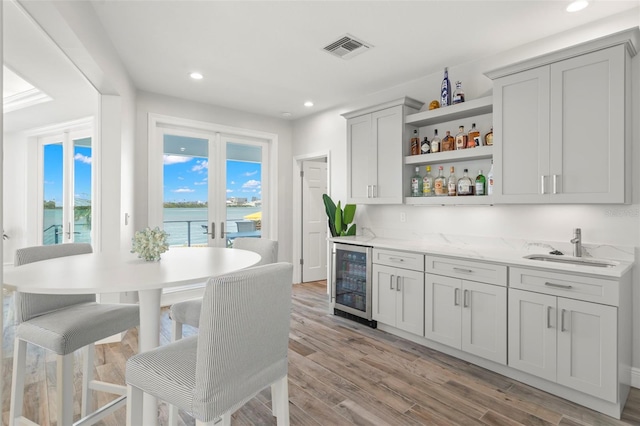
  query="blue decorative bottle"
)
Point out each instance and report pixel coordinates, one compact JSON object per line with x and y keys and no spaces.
{"x":445,"y":90}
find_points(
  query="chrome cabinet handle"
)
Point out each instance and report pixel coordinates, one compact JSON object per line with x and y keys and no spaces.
{"x":368,"y":192}
{"x":562,"y":320}
{"x":456,"y":297}
{"x":375,"y":191}
{"x":548,"y":316}
{"x":397,"y":282}
{"x":564,"y":286}
{"x":467,"y":271}
{"x":396,"y":259}
{"x":542,"y":184}
{"x":465,"y":302}
{"x":555,"y":184}
{"x":391,"y":282}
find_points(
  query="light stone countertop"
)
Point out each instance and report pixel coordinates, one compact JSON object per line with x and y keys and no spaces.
{"x":504,"y":251}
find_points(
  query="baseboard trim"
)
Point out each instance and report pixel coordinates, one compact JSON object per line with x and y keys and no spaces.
{"x":635,"y":377}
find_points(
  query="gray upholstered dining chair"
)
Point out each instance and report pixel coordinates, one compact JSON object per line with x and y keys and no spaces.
{"x":241,"y":348}
{"x":64,"y":324}
{"x":188,"y":312}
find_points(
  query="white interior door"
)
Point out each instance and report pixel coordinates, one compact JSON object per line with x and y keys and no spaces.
{"x":314,"y":221}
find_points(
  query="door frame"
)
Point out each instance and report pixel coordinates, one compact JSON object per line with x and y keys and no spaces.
{"x":154,"y":165}
{"x":297,"y":210}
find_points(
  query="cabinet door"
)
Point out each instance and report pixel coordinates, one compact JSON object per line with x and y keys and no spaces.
{"x":442,"y":321}
{"x":587,"y":348}
{"x":361,"y":156}
{"x":384,"y":294}
{"x":410,"y":301}
{"x":532,"y":333}
{"x":521,"y":136}
{"x":387,"y":168}
{"x":484,"y":320}
{"x":588,"y":127}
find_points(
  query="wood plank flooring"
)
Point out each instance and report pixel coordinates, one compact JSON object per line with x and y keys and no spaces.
{"x":343,"y":373}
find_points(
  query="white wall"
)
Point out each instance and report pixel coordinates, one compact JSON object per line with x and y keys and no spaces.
{"x":617,"y":224}
{"x":174,"y":107}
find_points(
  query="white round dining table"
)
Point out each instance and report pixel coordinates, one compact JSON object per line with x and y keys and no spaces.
{"x":116,"y":272}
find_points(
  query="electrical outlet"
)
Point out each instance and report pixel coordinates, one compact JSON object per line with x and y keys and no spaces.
{"x":403,"y":217}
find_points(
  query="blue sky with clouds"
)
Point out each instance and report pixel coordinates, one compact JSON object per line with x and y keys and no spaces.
{"x":53,"y":173}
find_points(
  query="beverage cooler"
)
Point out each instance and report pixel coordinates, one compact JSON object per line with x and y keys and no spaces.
{"x":351,"y":282}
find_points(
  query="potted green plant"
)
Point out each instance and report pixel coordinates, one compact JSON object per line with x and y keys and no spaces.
{"x":340,"y":220}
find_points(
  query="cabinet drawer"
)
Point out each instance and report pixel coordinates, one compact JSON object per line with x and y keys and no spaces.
{"x":400,"y":259}
{"x":467,"y":269}
{"x":590,"y":289}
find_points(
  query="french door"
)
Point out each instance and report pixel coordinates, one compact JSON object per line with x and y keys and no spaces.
{"x":212,"y":187}
{"x":66,"y":187}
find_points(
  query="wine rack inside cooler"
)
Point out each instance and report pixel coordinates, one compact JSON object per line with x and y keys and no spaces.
{"x":351,"y":279}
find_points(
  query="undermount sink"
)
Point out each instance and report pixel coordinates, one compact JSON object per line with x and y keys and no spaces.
{"x":573,"y":260}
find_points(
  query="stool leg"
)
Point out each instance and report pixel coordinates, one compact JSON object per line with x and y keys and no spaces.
{"x":64,"y":391}
{"x":134,"y":406}
{"x":176,"y":334}
{"x":17,"y":386}
{"x":87,"y":377}
{"x":281,"y":401}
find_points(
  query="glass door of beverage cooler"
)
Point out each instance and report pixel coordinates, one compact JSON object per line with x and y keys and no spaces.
{"x":352,"y":280}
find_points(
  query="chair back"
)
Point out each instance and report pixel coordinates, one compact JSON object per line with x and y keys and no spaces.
{"x":266,"y":248}
{"x":243,"y":337}
{"x":32,"y":305}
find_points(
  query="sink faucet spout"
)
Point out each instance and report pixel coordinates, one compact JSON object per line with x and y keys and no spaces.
{"x":577,"y":242}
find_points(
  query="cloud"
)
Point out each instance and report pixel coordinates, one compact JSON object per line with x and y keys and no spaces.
{"x":251,"y":184}
{"x":82,"y":158}
{"x":180,"y":178}
{"x":229,"y":191}
{"x":175,"y":159}
{"x":201,"y":166}
{"x":250,"y":173}
{"x":183,"y":190}
{"x":203,"y":182}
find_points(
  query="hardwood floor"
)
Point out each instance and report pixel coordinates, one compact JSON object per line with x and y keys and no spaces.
{"x":344,"y":373}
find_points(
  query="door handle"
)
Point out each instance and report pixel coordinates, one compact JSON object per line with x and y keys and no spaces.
{"x":562,"y":320}
{"x":548,"y":316}
{"x":456,"y":297}
{"x":68,"y":230}
{"x":391,"y":282}
{"x":213,"y":231}
{"x":397,"y":282}
{"x":465,"y":302}
{"x":221,"y":229}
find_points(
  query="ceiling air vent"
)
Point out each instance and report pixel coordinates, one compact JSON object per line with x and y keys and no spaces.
{"x":347,"y":46}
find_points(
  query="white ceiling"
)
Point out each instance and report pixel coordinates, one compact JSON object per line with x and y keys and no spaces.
{"x":266,"y":56}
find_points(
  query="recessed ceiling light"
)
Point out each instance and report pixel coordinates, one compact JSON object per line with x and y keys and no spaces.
{"x":286,"y":114}
{"x":577,"y":5}
{"x":308,"y":104}
{"x":196,"y":76}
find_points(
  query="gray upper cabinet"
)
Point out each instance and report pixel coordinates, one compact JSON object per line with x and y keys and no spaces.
{"x":375,"y":152}
{"x":561,"y":126}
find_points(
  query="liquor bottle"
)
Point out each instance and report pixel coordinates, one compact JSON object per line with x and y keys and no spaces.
{"x":465,"y":184}
{"x":416,"y":184}
{"x":425,"y":147}
{"x":488,"y":138}
{"x":445,"y":90}
{"x":427,"y":183}
{"x":490,"y":180}
{"x":458,"y":95}
{"x":448,"y":143}
{"x":440,"y":184}
{"x":461,"y":138}
{"x":452,"y":183}
{"x":435,"y":142}
{"x":415,"y":143}
{"x":474,"y":137}
{"x":481,"y":183}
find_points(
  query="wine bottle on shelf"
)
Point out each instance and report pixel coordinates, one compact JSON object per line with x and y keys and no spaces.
{"x":461,"y":138}
{"x":465,"y":184}
{"x":452,"y":183}
{"x":435,"y":142}
{"x":481,"y":183}
{"x":490,"y":181}
{"x":488,"y":138}
{"x":415,"y":143}
{"x":425,"y":147}
{"x":427,"y":183}
{"x":473,"y":137}
{"x":416,"y":184}
{"x":445,"y":90}
{"x":440,"y":184}
{"x":458,"y":95}
{"x":448,"y":142}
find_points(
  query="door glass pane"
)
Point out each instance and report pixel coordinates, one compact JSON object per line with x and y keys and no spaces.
{"x":82,"y":190}
{"x":185,"y":190}
{"x":244,"y":191}
{"x":52,"y":190}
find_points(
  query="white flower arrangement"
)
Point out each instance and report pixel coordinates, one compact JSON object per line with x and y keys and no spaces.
{"x":150,"y":243}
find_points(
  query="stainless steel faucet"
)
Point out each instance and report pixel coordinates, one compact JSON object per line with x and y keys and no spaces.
{"x":577,"y":242}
